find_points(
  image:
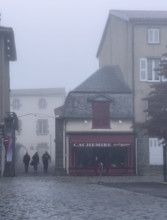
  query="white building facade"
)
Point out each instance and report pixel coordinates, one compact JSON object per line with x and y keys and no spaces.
{"x":35,"y":111}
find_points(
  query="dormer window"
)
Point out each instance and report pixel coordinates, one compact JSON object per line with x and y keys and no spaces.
{"x":101,"y":114}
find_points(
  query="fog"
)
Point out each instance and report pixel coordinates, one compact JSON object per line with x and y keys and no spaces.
{"x":57,"y":40}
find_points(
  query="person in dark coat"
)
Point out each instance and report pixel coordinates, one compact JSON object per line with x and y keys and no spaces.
{"x":45,"y":159}
{"x":26,"y":161}
{"x":35,"y":161}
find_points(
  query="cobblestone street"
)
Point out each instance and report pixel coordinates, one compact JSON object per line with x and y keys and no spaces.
{"x":65,"y":198}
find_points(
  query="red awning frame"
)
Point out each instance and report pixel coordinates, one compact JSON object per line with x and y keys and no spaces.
{"x":101,"y":140}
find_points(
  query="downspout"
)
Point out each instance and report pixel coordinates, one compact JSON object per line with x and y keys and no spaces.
{"x":136,"y":158}
{"x":64,"y":146}
{"x":2,"y":157}
{"x":133,"y":95}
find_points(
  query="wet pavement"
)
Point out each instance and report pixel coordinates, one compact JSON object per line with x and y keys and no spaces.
{"x":77,"y":198}
{"x":150,"y":188}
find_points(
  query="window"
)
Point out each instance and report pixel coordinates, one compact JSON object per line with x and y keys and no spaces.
{"x":147,"y":70}
{"x":155,"y":152}
{"x":42,"y":103}
{"x":101,"y":114}
{"x":153,"y":36}
{"x":84,"y":157}
{"x":42,"y":127}
{"x":16,"y":104}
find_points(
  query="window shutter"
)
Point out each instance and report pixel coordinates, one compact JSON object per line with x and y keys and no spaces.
{"x":101,"y":114}
{"x":143,"y":69}
{"x":150,"y":36}
{"x":156,"y":36}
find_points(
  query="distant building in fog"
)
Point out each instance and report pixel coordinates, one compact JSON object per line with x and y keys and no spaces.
{"x":35,"y":111}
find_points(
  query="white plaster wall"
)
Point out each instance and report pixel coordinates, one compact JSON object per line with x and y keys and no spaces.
{"x":86,"y":125}
{"x":28,"y":136}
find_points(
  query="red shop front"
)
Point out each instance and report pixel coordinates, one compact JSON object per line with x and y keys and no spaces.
{"x":115,"y":151}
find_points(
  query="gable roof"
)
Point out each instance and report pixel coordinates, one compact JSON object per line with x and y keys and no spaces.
{"x":106,"y":79}
{"x":135,"y":16}
{"x":106,"y":83}
{"x":78,"y":105}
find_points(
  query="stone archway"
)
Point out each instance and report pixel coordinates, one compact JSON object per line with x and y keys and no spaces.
{"x":20,"y":150}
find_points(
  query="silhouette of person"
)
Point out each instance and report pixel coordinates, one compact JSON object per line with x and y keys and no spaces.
{"x":26,"y":160}
{"x":35,"y":161}
{"x":45,"y":159}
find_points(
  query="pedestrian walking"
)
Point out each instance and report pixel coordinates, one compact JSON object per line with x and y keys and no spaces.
{"x":35,"y":161}
{"x":45,"y":159}
{"x":100,"y":168}
{"x":26,"y":161}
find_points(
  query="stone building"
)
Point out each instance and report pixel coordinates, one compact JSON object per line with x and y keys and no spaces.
{"x":95,"y":125}
{"x":135,"y":41}
{"x":7,"y":54}
{"x":36,"y":120}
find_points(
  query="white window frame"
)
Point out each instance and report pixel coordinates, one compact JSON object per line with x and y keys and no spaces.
{"x":144,"y":70}
{"x":153,"y":36}
{"x":42,"y":127}
{"x":16,"y":104}
{"x":42,"y":103}
{"x":155,"y":152}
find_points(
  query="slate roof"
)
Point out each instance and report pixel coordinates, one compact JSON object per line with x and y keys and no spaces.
{"x":106,"y":79}
{"x":105,"y":83}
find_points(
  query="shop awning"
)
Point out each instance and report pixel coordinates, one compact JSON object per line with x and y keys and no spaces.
{"x":101,"y":140}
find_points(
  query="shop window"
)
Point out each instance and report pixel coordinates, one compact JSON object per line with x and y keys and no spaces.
{"x":101,"y":114}
{"x":84,"y":157}
{"x":118,"y":157}
{"x":42,"y":127}
{"x":42,"y":103}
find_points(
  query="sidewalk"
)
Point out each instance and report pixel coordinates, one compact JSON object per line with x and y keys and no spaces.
{"x":110,"y":179}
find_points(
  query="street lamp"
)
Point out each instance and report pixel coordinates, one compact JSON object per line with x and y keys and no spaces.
{"x":10,"y":125}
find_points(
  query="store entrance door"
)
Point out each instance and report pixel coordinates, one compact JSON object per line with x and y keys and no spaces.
{"x":102,"y":156}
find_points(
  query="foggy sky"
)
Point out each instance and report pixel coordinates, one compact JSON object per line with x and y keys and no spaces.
{"x":57,"y":40}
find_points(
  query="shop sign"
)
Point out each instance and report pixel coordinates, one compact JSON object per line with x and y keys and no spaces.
{"x":121,"y":145}
{"x":100,"y":144}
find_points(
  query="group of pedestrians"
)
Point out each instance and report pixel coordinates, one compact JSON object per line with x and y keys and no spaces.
{"x":35,"y":161}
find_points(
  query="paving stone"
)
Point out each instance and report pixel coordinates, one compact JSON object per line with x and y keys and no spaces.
{"x":75,"y":198}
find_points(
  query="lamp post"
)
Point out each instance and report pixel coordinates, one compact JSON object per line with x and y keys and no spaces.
{"x":10,"y":125}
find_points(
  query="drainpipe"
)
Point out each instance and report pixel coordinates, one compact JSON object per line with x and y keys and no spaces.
{"x":133,"y":95}
{"x":136,"y":161}
{"x":64,"y":146}
{"x":2,"y":157}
